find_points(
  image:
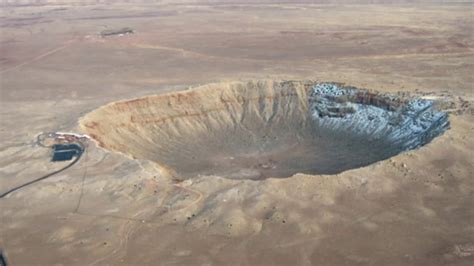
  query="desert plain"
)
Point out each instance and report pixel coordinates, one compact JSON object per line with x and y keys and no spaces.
{"x":415,"y":208}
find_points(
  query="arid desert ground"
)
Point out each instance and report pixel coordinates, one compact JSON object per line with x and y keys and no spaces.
{"x":416,"y":208}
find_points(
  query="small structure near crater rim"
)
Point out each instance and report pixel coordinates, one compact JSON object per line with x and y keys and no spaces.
{"x":120,"y":32}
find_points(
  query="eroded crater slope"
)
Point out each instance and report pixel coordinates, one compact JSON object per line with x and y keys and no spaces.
{"x":262,"y":129}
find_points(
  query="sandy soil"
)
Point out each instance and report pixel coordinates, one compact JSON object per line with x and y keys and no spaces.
{"x":412,"y":209}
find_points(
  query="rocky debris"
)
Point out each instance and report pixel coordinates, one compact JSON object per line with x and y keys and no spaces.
{"x":466,"y":250}
{"x":405,"y":122}
{"x":449,"y":103}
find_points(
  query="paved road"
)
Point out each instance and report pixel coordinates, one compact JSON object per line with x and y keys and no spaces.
{"x":45,"y":176}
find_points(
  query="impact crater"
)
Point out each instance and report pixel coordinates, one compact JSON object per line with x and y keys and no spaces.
{"x":263,"y":129}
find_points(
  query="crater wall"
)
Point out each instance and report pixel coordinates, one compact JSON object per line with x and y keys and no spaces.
{"x":261,"y":129}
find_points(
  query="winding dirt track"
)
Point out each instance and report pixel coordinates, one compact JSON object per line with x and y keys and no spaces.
{"x":41,"y":56}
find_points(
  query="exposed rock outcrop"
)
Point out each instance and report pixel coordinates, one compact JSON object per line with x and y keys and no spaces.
{"x":405,"y":122}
